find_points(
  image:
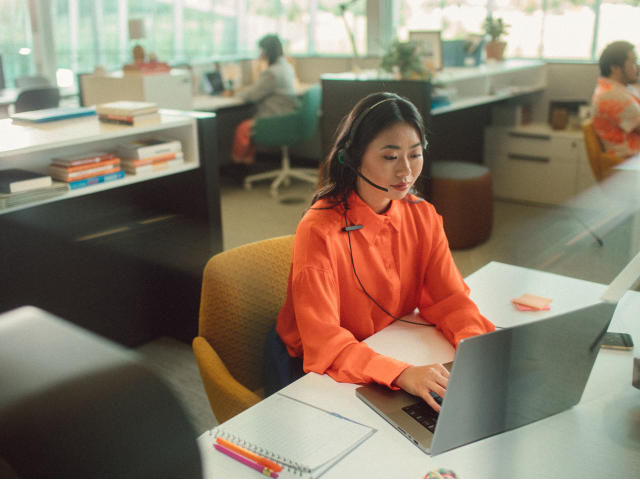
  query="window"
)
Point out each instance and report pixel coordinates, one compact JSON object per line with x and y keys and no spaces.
{"x":552,"y":29}
{"x":619,"y":20}
{"x":331,"y":36}
{"x":16,"y":43}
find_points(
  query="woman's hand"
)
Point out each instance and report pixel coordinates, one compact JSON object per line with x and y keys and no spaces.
{"x":424,"y":379}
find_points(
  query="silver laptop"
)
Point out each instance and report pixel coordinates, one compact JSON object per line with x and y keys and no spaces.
{"x":508,"y":378}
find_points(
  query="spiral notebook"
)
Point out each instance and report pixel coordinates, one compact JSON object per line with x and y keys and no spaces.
{"x":306,"y":440}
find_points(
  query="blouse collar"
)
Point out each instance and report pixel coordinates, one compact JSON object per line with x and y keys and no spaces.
{"x":360,"y":213}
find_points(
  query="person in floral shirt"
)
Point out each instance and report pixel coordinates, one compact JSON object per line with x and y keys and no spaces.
{"x":615,"y":107}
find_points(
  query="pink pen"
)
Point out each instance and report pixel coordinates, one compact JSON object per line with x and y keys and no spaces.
{"x":246,"y":461}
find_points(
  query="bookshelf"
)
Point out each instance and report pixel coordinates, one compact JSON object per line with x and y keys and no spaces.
{"x":124,"y":258}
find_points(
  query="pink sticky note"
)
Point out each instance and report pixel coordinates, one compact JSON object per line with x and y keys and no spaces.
{"x":525,"y":308}
{"x":533,"y":301}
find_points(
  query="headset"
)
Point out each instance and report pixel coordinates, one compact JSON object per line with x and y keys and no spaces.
{"x":343,"y":158}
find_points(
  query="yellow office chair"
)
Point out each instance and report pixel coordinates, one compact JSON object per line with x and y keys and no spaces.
{"x":600,"y":161}
{"x":243,"y":290}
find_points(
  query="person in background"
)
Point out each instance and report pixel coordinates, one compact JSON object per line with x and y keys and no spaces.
{"x":365,"y":255}
{"x":273,"y":94}
{"x":615,"y":107}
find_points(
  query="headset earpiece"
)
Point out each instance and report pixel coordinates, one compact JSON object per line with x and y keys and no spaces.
{"x":343,"y":156}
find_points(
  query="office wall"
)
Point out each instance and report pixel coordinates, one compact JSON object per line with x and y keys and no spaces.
{"x":569,"y":82}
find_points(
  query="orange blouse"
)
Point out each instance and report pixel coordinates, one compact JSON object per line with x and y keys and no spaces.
{"x":402,"y":258}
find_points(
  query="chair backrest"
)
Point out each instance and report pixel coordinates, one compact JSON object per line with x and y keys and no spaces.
{"x":310,"y":108}
{"x":594,"y":148}
{"x":37,"y":99}
{"x":243,"y":290}
{"x":293,"y":128}
{"x":30,"y":82}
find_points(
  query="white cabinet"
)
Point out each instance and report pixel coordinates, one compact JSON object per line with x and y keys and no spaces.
{"x":123,"y":259}
{"x":33,"y":147}
{"x":536,"y":164}
{"x":172,"y":90}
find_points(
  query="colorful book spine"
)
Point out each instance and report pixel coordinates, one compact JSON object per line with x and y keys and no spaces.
{"x":149,"y":160}
{"x":96,"y":180}
{"x":154,"y":167}
{"x":82,"y":175}
{"x":84,"y":167}
{"x":83,"y":159}
{"x":149,"y":148}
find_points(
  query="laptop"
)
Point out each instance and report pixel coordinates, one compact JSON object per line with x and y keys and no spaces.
{"x":213,"y":83}
{"x":507,"y":378}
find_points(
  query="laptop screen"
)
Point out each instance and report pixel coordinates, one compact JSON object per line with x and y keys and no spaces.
{"x":213,"y":83}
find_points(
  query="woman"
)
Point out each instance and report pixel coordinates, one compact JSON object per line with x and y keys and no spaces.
{"x":273,"y":94}
{"x":368,"y":251}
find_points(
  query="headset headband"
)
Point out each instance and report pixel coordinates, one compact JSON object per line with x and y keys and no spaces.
{"x":352,"y":134}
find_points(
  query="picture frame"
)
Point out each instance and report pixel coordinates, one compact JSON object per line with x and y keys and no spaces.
{"x":433,"y":42}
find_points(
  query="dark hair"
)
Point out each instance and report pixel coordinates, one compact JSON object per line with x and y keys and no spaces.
{"x":614,"y":54}
{"x":272,"y":47}
{"x":338,"y":181}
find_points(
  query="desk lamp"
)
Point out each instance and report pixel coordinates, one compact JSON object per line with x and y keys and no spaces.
{"x":75,"y":405}
{"x":137,"y":32}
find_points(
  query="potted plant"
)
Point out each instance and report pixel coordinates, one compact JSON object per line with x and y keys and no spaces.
{"x":407,"y":59}
{"x":495,"y":28}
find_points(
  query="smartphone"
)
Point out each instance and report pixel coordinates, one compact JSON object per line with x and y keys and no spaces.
{"x":622,"y":341}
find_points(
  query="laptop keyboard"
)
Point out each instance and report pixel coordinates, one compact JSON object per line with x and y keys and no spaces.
{"x":424,"y":414}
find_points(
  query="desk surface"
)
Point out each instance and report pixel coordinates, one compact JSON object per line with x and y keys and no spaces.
{"x":600,"y":437}
{"x":213,"y":103}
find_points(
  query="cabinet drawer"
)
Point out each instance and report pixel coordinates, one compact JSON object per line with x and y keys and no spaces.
{"x":536,"y":148}
{"x":533,"y":180}
{"x":528,"y":144}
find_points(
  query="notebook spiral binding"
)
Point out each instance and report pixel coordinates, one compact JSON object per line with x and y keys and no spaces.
{"x":288,"y":464}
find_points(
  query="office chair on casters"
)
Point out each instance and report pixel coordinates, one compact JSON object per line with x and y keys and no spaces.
{"x":37,"y":99}
{"x":286,"y":131}
{"x":601,"y":164}
{"x":243,"y":290}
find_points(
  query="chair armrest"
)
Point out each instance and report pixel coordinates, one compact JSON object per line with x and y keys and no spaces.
{"x":226,"y":396}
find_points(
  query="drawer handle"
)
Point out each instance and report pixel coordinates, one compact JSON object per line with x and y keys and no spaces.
{"x":529,"y":158}
{"x":530,"y":135}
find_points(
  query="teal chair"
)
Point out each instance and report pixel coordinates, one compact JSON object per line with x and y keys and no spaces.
{"x":285,"y":131}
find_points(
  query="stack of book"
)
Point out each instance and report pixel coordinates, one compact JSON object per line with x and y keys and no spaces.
{"x":19,"y":187}
{"x":131,"y":113}
{"x":85,"y":169}
{"x":150,"y":155}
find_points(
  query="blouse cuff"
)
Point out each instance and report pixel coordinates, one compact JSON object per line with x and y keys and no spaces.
{"x":384,"y":370}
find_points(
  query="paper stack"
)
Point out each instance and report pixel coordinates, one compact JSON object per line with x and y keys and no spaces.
{"x":129,"y":113}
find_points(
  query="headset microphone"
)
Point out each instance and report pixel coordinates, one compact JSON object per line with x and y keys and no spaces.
{"x":343,"y":158}
{"x":346,"y":163}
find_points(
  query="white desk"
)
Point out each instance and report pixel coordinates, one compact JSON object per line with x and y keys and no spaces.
{"x":598,"y":438}
{"x":213,"y":103}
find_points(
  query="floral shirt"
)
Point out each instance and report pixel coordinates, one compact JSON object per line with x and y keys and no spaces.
{"x":615,"y":109}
